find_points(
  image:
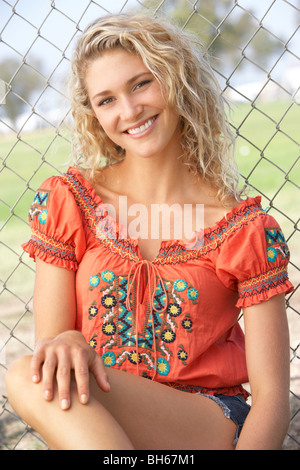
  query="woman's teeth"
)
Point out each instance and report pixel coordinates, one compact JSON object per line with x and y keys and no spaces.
{"x":145,"y":126}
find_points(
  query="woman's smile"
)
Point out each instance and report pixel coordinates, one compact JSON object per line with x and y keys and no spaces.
{"x":141,"y":130}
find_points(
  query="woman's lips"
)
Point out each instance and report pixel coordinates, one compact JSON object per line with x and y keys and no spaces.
{"x":135,"y":131}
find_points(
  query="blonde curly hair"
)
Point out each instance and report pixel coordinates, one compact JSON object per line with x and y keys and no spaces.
{"x":180,"y":65}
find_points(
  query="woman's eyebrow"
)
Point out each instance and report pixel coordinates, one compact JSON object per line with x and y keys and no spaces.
{"x":131,"y":80}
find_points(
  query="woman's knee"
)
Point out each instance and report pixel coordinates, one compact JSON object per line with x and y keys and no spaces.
{"x":18,"y":382}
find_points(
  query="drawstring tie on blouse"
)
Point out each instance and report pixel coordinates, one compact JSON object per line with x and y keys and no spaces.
{"x":152,"y":273}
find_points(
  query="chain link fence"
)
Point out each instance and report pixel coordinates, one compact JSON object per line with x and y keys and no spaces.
{"x":254,"y":46}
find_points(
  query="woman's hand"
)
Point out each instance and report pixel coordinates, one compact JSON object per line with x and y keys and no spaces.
{"x":57,"y":357}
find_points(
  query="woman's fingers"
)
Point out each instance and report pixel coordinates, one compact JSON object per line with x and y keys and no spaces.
{"x":87,"y":361}
{"x":63,"y":377}
{"x":98,"y":369}
{"x":35,"y":365}
{"x":43,"y":365}
{"x":82,"y":376}
{"x":54,"y":360}
{"x":49,"y":368}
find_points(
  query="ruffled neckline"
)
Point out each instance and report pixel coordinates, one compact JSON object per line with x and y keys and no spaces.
{"x":120,"y":229}
{"x":230,"y":215}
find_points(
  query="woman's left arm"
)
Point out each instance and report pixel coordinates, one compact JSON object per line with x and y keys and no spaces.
{"x":268,"y":363}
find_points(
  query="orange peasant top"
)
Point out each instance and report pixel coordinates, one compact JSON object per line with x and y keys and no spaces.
{"x":181,"y":328}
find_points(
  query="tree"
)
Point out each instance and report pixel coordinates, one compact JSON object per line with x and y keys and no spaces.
{"x":20,"y":81}
{"x":225,"y":31}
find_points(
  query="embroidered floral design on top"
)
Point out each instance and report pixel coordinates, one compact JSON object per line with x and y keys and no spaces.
{"x":108,"y":301}
{"x":43,"y":217}
{"x":180,"y":285}
{"x":109,"y":359}
{"x":93,"y":310}
{"x":174,"y":310}
{"x":182,"y":354}
{"x":39,"y":205}
{"x":271,"y":253}
{"x":93,"y":341}
{"x":94,"y":281}
{"x":109,"y":328}
{"x":168,"y":336}
{"x":193,"y":294}
{"x":107,"y":276}
{"x":163,"y":367}
{"x":151,"y":340}
{"x":276,"y":244}
{"x":187,"y":323}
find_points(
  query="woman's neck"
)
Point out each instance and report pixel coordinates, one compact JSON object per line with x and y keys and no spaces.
{"x":152,"y":180}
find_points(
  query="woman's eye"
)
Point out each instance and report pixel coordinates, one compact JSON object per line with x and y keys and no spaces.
{"x":104,"y":102}
{"x":107,"y":101}
{"x":141,"y":84}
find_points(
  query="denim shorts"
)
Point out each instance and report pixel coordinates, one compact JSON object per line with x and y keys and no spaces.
{"x":234,"y":408}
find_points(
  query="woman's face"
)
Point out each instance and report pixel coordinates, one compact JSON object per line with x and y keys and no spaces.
{"x":128,"y":103}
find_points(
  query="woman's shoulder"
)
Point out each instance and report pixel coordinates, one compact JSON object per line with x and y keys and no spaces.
{"x":239,"y":226}
{"x":246,"y":214}
{"x":64,"y":198}
{"x":57,"y":182}
{"x":57,"y":231}
{"x":74,"y":184}
{"x":248,"y":230}
{"x":217,"y":213}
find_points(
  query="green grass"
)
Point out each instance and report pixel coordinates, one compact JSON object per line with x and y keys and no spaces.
{"x":27,"y":163}
{"x":267,"y":152}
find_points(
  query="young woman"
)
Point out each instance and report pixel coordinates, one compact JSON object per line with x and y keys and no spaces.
{"x":115,"y":292}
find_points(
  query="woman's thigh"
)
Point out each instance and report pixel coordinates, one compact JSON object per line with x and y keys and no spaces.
{"x":156,"y":416}
{"x":81,"y":427}
{"x":136,"y":413}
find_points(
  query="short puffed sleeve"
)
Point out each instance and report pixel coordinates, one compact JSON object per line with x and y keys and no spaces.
{"x":57,"y":233}
{"x":254,"y":260}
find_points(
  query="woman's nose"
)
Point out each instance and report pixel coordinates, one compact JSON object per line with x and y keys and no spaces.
{"x":130,"y":109}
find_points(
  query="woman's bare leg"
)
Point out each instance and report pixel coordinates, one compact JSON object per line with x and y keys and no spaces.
{"x":136,"y":413}
{"x":82,"y":427}
{"x":155,"y":416}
